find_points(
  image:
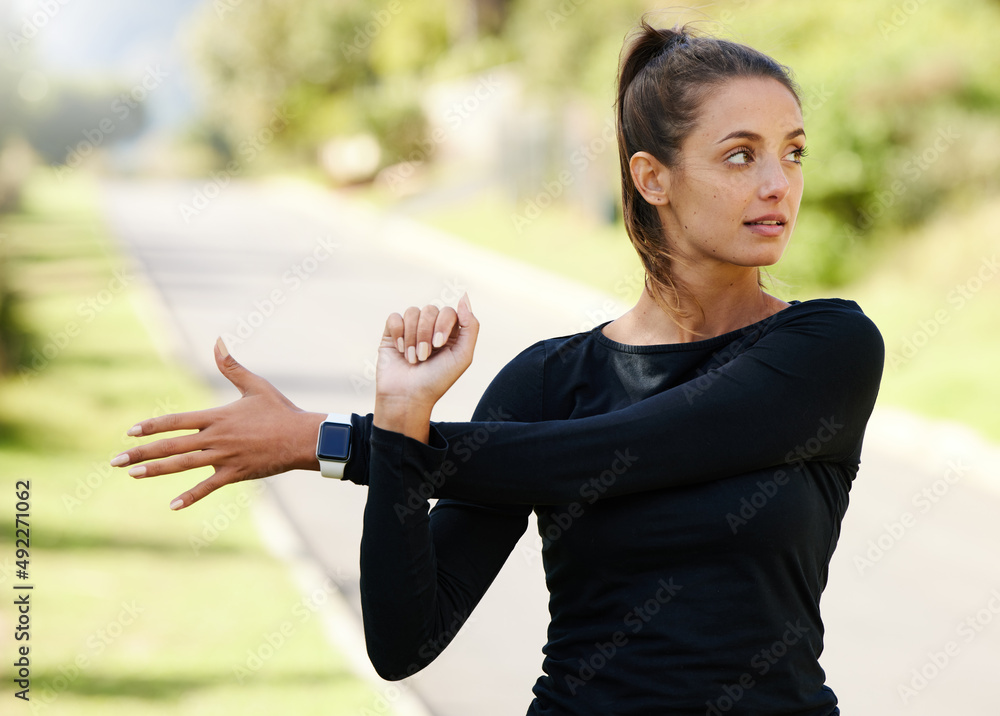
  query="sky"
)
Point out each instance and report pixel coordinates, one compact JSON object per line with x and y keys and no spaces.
{"x":88,"y":40}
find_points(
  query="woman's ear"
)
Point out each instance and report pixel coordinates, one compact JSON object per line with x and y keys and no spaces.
{"x":651,"y":178}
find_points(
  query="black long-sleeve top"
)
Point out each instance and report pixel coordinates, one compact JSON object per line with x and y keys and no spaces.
{"x":689,"y":499}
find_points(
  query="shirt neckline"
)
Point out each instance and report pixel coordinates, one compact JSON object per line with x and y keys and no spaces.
{"x":705,"y":343}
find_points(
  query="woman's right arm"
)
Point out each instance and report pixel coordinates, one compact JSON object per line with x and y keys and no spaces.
{"x":423,"y":574}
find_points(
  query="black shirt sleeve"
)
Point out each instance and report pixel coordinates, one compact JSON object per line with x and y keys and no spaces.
{"x":423,"y":574}
{"x":803,"y":391}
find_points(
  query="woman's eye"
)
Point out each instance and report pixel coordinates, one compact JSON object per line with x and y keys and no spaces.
{"x":741,"y":157}
{"x":796,"y":155}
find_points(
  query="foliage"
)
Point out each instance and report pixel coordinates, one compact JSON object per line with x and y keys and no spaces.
{"x":337,"y":68}
{"x":896,"y":131}
{"x":14,"y":336}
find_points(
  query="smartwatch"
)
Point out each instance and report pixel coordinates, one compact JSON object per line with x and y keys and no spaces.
{"x":333,"y":447}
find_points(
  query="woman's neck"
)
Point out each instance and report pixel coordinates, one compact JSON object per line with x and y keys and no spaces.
{"x":707,"y":309}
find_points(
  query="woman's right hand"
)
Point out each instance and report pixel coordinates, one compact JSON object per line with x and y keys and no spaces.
{"x":421,"y":355}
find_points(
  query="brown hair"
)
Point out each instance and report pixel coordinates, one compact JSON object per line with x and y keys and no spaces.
{"x":663,"y":78}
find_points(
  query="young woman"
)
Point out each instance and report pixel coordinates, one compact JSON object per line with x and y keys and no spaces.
{"x":689,"y":463}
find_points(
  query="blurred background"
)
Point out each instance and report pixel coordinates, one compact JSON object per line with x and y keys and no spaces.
{"x":154,"y":161}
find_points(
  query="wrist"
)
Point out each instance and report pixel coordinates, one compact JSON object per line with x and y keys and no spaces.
{"x":401,"y":415}
{"x":306,"y":429}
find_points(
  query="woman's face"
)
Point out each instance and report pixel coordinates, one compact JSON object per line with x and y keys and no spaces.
{"x":734,"y":195}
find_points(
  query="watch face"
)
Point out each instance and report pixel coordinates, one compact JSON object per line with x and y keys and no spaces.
{"x":334,"y":442}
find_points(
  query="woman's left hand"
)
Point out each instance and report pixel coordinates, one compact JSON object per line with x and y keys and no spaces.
{"x":421,"y":355}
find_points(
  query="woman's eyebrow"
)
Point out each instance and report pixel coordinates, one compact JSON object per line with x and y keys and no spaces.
{"x":754,"y":137}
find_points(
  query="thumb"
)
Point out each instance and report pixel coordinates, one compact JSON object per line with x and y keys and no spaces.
{"x":468,"y":326}
{"x":233,"y":371}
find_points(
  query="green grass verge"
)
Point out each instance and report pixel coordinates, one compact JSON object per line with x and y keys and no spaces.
{"x":934,"y":294}
{"x":127,"y":616}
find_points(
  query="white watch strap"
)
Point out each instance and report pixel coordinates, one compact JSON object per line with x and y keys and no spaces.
{"x":332,"y":468}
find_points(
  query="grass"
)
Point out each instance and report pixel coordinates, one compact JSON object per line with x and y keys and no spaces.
{"x":915,"y":285}
{"x":126,"y":616}
{"x":936,"y":298}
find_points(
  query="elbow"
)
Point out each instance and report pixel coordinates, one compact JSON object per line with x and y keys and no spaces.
{"x":393,"y":651}
{"x":393,"y":667}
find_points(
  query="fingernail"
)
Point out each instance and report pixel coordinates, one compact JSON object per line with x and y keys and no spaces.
{"x":438,"y":339}
{"x":468,"y":303}
{"x":222,"y":347}
{"x":423,"y":350}
{"x":137,"y":471}
{"x":135,"y":431}
{"x":399,"y":345}
{"x":411,"y":354}
{"x":120,"y":460}
{"x":177,"y":504}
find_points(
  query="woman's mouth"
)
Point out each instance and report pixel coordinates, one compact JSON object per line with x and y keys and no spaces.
{"x":766,"y":227}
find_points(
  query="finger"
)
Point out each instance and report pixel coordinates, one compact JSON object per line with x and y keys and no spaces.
{"x":447,"y":321}
{"x":244,"y":380}
{"x":394,"y":331}
{"x":159,"y":449}
{"x":468,"y":328}
{"x":202,"y":489}
{"x":425,"y":331}
{"x":410,"y":320}
{"x":194,"y":420}
{"x":174,"y":464}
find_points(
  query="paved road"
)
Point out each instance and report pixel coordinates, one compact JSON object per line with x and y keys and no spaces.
{"x":302,"y":281}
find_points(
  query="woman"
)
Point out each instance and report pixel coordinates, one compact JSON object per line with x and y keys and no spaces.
{"x":689,"y":463}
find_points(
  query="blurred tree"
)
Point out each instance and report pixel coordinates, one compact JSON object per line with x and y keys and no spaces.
{"x":14,"y":336}
{"x":896,"y":133}
{"x":333,"y":68}
{"x":72,"y":123}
